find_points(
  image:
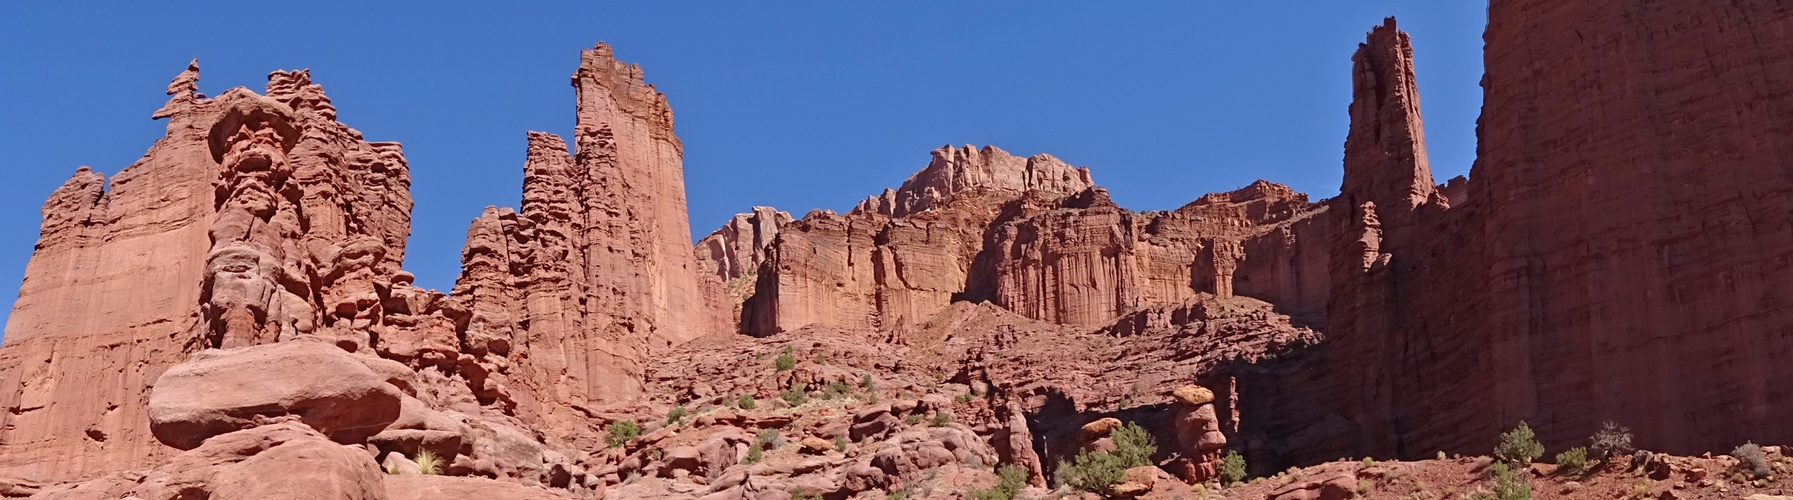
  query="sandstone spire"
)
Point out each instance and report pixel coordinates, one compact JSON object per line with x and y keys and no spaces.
{"x":1385,"y":150}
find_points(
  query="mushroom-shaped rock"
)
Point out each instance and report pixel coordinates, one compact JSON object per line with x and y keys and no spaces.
{"x":816,"y":446}
{"x":223,"y":391}
{"x":1100,"y":428}
{"x":1193,"y":395}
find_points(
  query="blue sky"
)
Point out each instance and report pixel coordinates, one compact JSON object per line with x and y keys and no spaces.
{"x":797,"y":105}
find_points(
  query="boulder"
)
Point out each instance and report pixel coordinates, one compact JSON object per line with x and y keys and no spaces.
{"x":284,"y":460}
{"x":1193,"y":395}
{"x":816,"y":446}
{"x":1136,"y":481}
{"x":220,"y":391}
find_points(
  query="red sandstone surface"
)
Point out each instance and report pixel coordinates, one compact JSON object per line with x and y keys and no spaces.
{"x":227,"y":317}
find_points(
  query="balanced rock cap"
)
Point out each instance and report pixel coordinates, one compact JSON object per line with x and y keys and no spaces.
{"x":1193,"y":395}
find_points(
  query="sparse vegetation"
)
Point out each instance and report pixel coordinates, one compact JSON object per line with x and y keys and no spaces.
{"x":1751,"y":459}
{"x":1010,"y":479}
{"x":1507,"y":486}
{"x":428,"y":463}
{"x":1364,"y":486}
{"x":1573,"y":462}
{"x":840,"y":443}
{"x":785,"y":361}
{"x":622,"y":432}
{"x":820,"y":359}
{"x":866,"y":384}
{"x":1369,"y":462}
{"x":795,"y":395}
{"x":962,"y":398}
{"x":1610,"y":441}
{"x":1096,"y":472}
{"x":1519,"y":446}
{"x":675,"y":415}
{"x":941,"y":419}
{"x":913,"y":418}
{"x":836,"y":389}
{"x":768,"y":437}
{"x":1134,"y":445}
{"x":747,"y":402}
{"x":1232,"y":468}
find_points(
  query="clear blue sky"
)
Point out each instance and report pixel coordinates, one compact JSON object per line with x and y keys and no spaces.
{"x":797,"y":105}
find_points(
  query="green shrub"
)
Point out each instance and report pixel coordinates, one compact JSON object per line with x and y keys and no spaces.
{"x":1232,"y":468}
{"x":1751,"y":458}
{"x":622,"y":432}
{"x":962,"y":398}
{"x":754,"y":454}
{"x":786,"y":361}
{"x":840,"y":443}
{"x":836,"y":389}
{"x":1610,"y":441}
{"x":766,"y":437}
{"x":865,"y":384}
{"x":1572,"y":462}
{"x":747,"y":402}
{"x":941,"y":418}
{"x":913,"y":419}
{"x":819,"y":359}
{"x":1096,"y":472}
{"x":1133,"y":445}
{"x":676,"y":415}
{"x":428,"y":463}
{"x":1507,"y":486}
{"x":1092,"y":472}
{"x":1010,"y":479}
{"x":1519,"y":446}
{"x":795,"y":395}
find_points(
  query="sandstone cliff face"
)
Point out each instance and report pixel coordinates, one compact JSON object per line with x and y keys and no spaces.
{"x":567,"y":296}
{"x":257,"y":218}
{"x":1636,"y":220}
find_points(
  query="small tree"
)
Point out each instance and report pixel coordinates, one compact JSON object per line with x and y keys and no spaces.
{"x":622,"y":432}
{"x":676,"y":415}
{"x":1507,"y":486}
{"x":1519,"y":446}
{"x":1092,"y":472}
{"x":747,"y":402}
{"x":1232,"y":468}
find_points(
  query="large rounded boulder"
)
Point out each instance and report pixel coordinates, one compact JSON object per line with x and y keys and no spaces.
{"x":222,"y":391}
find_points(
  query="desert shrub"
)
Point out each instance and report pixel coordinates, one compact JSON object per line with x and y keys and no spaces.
{"x":1572,"y":462}
{"x":912,"y":419}
{"x":754,"y":454}
{"x":836,"y":389}
{"x":1010,"y":479}
{"x":622,"y":432}
{"x":785,"y":361}
{"x":1133,"y":445}
{"x":941,"y":418}
{"x":747,"y":402}
{"x":1507,"y":486}
{"x":675,"y":415}
{"x":1369,"y":462}
{"x":840,"y":443}
{"x":795,"y":395}
{"x":867,"y":385}
{"x":1519,"y":446}
{"x":962,"y":398}
{"x":768,"y":437}
{"x":1751,"y":458}
{"x":1092,"y":472}
{"x":428,"y":463}
{"x":1610,"y":441}
{"x":1232,"y":468}
{"x":820,"y":359}
{"x":1096,"y":472}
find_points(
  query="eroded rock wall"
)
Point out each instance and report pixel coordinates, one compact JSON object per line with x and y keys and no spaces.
{"x":255,"y":219}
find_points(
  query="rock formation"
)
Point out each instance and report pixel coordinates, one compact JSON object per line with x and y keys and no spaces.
{"x":227,"y":318}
